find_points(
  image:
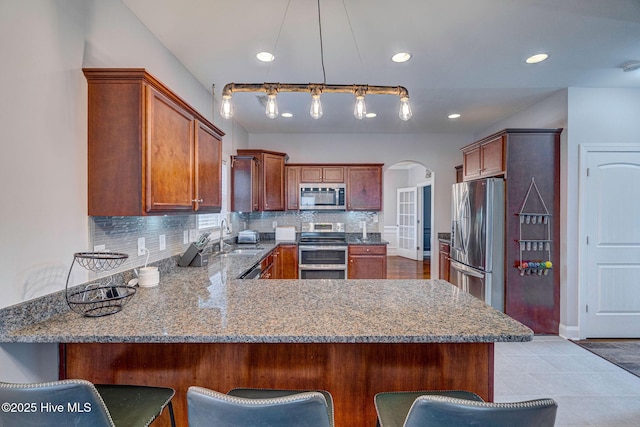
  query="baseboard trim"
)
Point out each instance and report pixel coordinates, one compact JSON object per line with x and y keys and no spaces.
{"x":569,"y":332}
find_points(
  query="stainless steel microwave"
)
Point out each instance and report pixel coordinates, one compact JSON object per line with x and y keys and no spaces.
{"x":322,"y":197}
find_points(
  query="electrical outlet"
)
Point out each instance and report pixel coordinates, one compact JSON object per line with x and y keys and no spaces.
{"x":185,"y":237}
{"x":162,"y":242}
{"x":274,"y":224}
{"x":193,"y":235}
{"x":141,"y":246}
{"x":375,"y":218}
{"x":99,"y":248}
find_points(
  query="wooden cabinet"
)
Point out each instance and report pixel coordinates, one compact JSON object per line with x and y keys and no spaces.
{"x":149,"y":152}
{"x":530,"y":154}
{"x":267,"y":266}
{"x":245,"y":184}
{"x":287,"y":262}
{"x":313,"y":173}
{"x":483,"y":159}
{"x":459,"y":174}
{"x":280,"y":263}
{"x":364,"y":188}
{"x":367,"y":262}
{"x":292,"y":187}
{"x":271,"y":195}
{"x":444,"y":263}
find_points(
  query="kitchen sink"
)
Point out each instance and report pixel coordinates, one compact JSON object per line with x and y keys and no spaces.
{"x":243,"y":252}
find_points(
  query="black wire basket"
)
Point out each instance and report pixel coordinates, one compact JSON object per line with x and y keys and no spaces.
{"x":95,"y":299}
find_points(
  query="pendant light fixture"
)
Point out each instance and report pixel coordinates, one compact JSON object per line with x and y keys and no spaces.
{"x":315,"y":90}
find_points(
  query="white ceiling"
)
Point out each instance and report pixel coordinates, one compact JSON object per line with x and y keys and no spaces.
{"x":468,"y":55}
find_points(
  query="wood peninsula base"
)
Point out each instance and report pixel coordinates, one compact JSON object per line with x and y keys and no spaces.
{"x":352,"y":373}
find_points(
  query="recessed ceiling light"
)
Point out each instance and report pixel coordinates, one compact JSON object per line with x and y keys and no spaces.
{"x":371,"y":115}
{"x":265,"y":56}
{"x":534,"y":59}
{"x":454,"y":115}
{"x":630,"y":66}
{"x":401,"y":57}
{"x":286,"y":115}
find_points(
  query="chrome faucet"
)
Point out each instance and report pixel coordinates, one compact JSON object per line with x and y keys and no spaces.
{"x":222,"y":231}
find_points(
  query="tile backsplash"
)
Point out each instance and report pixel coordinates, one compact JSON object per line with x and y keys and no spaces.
{"x":121,"y":233}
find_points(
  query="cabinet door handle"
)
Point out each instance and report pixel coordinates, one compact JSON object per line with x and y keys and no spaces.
{"x":198,"y":200}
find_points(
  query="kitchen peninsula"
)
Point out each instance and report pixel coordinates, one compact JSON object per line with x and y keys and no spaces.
{"x":354,"y":338}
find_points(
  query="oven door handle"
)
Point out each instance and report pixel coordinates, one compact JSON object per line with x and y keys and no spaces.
{"x":322,"y":267}
{"x":321,"y":247}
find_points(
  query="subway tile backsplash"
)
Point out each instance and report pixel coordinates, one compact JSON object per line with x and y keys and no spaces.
{"x":121,"y":233}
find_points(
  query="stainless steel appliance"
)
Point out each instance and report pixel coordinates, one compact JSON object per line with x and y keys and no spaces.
{"x":322,"y":197}
{"x":322,"y":251}
{"x":477,"y":239}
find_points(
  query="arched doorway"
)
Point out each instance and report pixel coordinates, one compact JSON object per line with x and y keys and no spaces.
{"x":408,"y":207}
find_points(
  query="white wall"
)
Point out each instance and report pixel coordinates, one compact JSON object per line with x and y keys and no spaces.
{"x":43,"y":131}
{"x":438,"y":152}
{"x":595,"y":116}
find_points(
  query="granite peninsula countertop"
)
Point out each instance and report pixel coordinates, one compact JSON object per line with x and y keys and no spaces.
{"x":210,"y":305}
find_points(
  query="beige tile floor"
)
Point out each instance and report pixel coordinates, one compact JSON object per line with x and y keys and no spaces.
{"x":589,"y":390}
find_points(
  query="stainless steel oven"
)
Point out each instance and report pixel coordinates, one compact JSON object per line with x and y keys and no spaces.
{"x":322,"y":251}
{"x":322,"y":262}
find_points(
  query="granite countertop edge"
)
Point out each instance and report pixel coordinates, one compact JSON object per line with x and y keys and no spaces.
{"x":209,"y":305}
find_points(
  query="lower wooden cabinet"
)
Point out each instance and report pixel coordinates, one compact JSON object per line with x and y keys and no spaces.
{"x":286,"y":262}
{"x":444,"y":264}
{"x":280,"y":263}
{"x":367,"y":262}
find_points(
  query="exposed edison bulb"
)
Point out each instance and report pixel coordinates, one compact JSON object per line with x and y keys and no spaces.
{"x":360,"y":110}
{"x":226,"y":107}
{"x":271,"y":109}
{"x":405,"y":109}
{"x":316,"y":107}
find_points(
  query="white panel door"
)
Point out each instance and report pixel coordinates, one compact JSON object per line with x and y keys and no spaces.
{"x":612,"y":271}
{"x":407,"y":210}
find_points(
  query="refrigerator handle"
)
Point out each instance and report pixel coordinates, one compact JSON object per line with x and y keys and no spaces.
{"x":467,"y":270}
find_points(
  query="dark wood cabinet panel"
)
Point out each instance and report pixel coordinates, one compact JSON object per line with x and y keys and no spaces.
{"x":364,"y":188}
{"x":444,"y":263}
{"x":367,"y":262}
{"x":208,"y":170}
{"x":320,"y":173}
{"x":292,"y":187}
{"x":483,"y":159}
{"x":522,"y":155}
{"x":459,"y":173}
{"x":352,"y":372}
{"x":311,"y":174}
{"x":245,"y":185}
{"x":273,"y":182}
{"x":271,"y":177}
{"x":287,"y":262}
{"x":143,"y":152}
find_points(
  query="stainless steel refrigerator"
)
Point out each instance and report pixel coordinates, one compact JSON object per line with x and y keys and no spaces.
{"x":477,"y":239}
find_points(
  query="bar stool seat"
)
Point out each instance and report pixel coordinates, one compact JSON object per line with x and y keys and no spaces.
{"x":81,"y":403}
{"x":265,"y":407}
{"x":458,"y":408}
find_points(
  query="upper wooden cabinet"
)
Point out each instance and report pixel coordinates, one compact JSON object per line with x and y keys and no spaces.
{"x":271,"y":196}
{"x":312,"y":173}
{"x":245,"y":184}
{"x":149,"y":152}
{"x":483,"y":158}
{"x":364,"y":187}
{"x":292,"y":190}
